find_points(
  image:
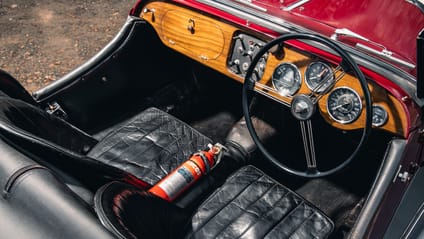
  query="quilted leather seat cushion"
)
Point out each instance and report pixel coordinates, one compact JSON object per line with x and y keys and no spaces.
{"x":252,"y":205}
{"x":150,"y":145}
{"x":249,"y":204}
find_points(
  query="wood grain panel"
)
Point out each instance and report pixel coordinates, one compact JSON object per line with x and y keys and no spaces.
{"x":397,"y":122}
{"x":210,"y":44}
{"x":193,"y":35}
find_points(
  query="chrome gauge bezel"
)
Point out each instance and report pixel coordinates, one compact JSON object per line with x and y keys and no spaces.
{"x":298,"y":82}
{"x":357,"y":97}
{"x":308,"y":80}
{"x":385,"y":116}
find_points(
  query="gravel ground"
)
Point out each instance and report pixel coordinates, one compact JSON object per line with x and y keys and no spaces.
{"x":40,"y":41}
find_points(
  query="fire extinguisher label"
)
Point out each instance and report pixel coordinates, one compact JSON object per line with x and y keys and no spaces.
{"x":186,"y":174}
{"x":176,"y":182}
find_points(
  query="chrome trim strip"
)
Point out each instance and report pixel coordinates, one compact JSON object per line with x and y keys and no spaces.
{"x":250,"y":4}
{"x":413,"y":223}
{"x":260,"y":91}
{"x":385,"y":56}
{"x":418,"y":3}
{"x":46,"y":93}
{"x":295,"y":5}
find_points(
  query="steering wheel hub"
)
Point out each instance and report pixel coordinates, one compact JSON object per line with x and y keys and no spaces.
{"x":302,"y":107}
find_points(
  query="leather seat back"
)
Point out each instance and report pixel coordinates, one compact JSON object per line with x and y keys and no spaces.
{"x":36,"y":204}
{"x":52,"y":141}
{"x":32,"y":123}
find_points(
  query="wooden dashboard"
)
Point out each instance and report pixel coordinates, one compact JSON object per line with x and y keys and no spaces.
{"x":209,"y":41}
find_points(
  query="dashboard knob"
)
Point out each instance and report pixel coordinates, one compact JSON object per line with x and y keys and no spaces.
{"x":191,"y":25}
{"x":236,"y":63}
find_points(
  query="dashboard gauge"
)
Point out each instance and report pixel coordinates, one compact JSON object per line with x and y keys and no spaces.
{"x":286,"y":79}
{"x":319,"y":76}
{"x":344,"y":105}
{"x":379,"y":116}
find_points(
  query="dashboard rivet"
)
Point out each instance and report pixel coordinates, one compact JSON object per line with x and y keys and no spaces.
{"x":204,"y":58}
{"x":245,"y":66}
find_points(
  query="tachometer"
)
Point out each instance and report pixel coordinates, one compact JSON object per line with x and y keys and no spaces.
{"x":344,"y":105}
{"x":286,"y":79}
{"x":319,"y":76}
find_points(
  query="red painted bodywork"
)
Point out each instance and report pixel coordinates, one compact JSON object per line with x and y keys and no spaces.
{"x":394,"y":24}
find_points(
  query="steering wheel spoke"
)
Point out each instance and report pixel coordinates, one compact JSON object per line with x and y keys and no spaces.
{"x":308,"y":144}
{"x":262,"y":88}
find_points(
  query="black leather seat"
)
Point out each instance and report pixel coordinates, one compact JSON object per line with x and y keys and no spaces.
{"x":148,"y":146}
{"x":250,"y":204}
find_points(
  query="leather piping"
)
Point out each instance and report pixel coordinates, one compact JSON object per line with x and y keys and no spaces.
{"x":18,"y":173}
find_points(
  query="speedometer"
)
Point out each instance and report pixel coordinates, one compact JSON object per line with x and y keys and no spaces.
{"x":286,"y":79}
{"x":344,"y":105}
{"x":319,"y":76}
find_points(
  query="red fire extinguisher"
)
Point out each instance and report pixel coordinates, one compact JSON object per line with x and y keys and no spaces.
{"x":187,"y":173}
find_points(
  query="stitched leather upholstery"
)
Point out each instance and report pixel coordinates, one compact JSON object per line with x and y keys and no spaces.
{"x":250,"y":204}
{"x":147,"y":146}
{"x":150,"y":145}
{"x":32,"y":122}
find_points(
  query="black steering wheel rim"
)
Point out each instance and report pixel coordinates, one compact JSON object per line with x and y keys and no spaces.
{"x":347,"y":63}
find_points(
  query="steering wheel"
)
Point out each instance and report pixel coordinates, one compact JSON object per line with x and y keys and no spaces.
{"x":302,"y":107}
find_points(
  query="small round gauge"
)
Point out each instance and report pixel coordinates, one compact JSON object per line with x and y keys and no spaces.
{"x":319,"y":76}
{"x":344,"y":105}
{"x":379,"y":116}
{"x":286,"y":79}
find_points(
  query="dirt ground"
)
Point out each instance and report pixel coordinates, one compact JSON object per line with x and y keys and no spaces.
{"x":40,"y":41}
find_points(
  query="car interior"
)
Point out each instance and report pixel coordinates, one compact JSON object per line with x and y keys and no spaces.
{"x":80,"y":154}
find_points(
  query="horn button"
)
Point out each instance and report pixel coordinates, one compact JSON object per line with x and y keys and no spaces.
{"x":302,"y":107}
